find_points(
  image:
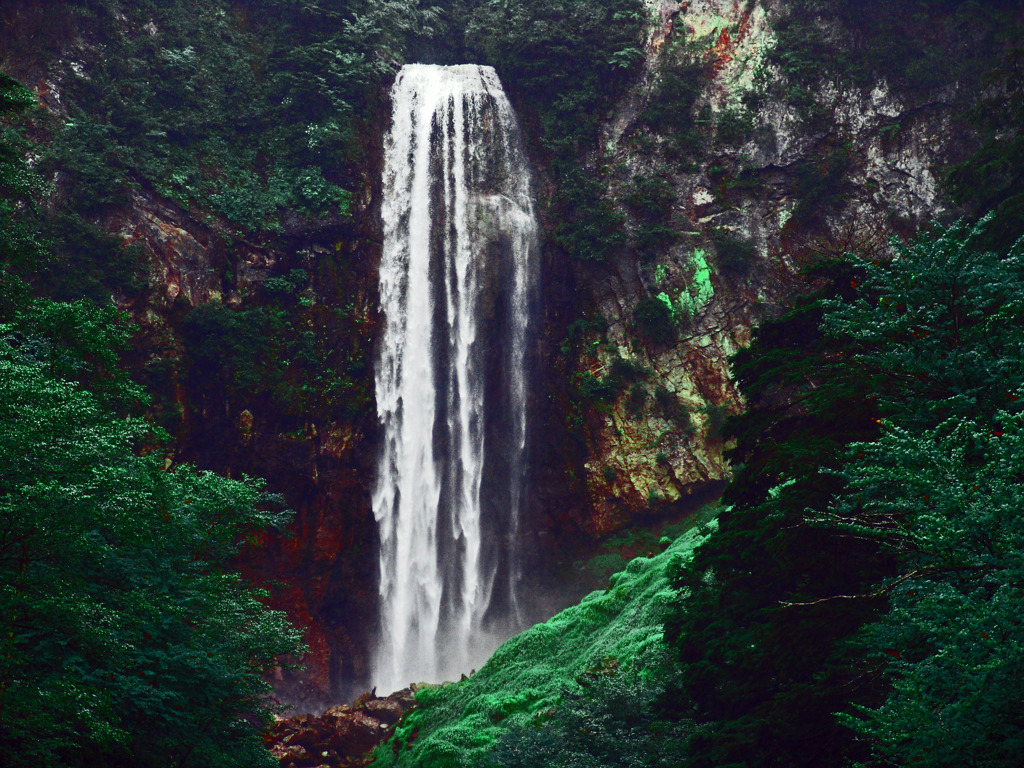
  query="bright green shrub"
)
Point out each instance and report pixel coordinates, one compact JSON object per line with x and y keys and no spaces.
{"x":610,"y":721}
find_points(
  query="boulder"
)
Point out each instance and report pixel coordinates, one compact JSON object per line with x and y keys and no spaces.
{"x":387,"y":711}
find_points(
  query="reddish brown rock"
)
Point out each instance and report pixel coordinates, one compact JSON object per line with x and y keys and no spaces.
{"x":386,"y":710}
{"x":292,"y":753}
{"x":342,"y":736}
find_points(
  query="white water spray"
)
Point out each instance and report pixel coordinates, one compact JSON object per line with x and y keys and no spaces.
{"x":457,"y":277}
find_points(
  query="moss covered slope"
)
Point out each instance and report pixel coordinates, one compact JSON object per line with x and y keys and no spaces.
{"x":459,"y":723}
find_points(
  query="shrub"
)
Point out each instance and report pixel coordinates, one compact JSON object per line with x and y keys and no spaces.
{"x":672,"y":409}
{"x":594,"y":388}
{"x":716,"y":415}
{"x":734,"y":126}
{"x":651,"y":198}
{"x":655,"y":319}
{"x":736,"y":254}
{"x":627,"y":370}
{"x":637,"y":399}
{"x":669,"y":110}
{"x":611,"y":720}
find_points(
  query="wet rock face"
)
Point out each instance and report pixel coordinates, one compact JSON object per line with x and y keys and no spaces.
{"x":342,"y":735}
{"x":742,"y":222}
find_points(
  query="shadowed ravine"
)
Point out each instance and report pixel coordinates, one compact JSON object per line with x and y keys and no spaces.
{"x":457,"y":279}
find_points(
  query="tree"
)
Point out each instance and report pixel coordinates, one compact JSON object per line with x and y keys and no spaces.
{"x":873,"y":531}
{"x":936,"y":329}
{"x":941,"y":490}
{"x":759,"y":642}
{"x":21,"y":246}
{"x":126,"y":637}
{"x":948,"y":499}
{"x":990,"y":178}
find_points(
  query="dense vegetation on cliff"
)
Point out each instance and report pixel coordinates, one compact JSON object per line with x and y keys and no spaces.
{"x":579,"y":689}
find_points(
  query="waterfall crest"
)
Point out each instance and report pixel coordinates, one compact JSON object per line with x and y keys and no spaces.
{"x":457,"y":278}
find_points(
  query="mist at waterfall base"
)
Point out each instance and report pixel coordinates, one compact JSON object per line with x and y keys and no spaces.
{"x":458,"y":279}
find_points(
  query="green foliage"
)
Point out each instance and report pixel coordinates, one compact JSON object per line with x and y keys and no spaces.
{"x":651,"y":196}
{"x":939,"y":490}
{"x":821,"y":533}
{"x":126,"y":639}
{"x":578,"y":329}
{"x":84,"y":149}
{"x":596,"y":389}
{"x":948,"y":500}
{"x":989,"y":178}
{"x":589,"y":225}
{"x":638,"y":396}
{"x":669,"y":111}
{"x":919,"y":46}
{"x":937,"y":327}
{"x":601,"y":567}
{"x":281,"y":354}
{"x":735,"y":125}
{"x":87,"y":262}
{"x":736,"y":254}
{"x":627,"y":370}
{"x":242,"y":109}
{"x":564,"y":62}
{"x":82,"y":343}
{"x":819,"y":181}
{"x":14,"y":97}
{"x":569,"y":56}
{"x":621,"y":373}
{"x":716,"y":418}
{"x":655,"y":319}
{"x":611,"y":721}
{"x":250,"y":109}
{"x":60,"y":252}
{"x":551,"y":666}
{"x":765,"y":679}
{"x":651,"y":200}
{"x":672,"y":409}
{"x":21,"y":246}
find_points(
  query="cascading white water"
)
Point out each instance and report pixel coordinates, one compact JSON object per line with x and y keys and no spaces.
{"x":457,"y":277}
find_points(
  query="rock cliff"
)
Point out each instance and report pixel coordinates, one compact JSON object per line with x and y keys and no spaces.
{"x":719,"y":229}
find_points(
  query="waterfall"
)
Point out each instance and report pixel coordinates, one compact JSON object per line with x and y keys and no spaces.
{"x":457,"y":278}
